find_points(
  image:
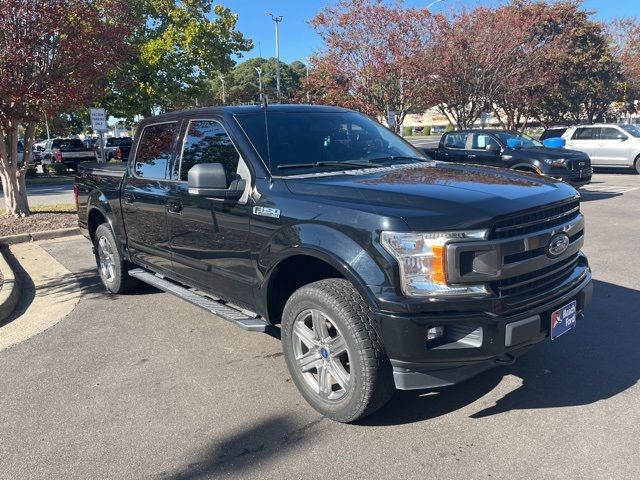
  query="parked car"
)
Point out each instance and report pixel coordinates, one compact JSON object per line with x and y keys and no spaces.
{"x":513,"y":150}
{"x":115,"y":147}
{"x":608,"y":145}
{"x":384,"y":270}
{"x":69,"y":151}
{"x":38,"y":152}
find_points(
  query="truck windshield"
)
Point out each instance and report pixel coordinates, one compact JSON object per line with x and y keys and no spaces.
{"x":631,"y":129}
{"x":310,"y":142}
{"x":119,"y":142}
{"x":527,"y":141}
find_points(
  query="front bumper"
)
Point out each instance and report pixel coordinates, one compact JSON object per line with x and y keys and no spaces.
{"x":577,"y":178}
{"x":490,"y":340}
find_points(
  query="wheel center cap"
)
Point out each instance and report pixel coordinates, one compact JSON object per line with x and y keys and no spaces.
{"x":324,"y":352}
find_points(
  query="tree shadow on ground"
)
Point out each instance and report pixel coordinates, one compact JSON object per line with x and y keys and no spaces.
{"x":271,"y":437}
{"x":597,"y":360}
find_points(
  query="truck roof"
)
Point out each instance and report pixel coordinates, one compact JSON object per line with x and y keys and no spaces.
{"x":239,"y":109}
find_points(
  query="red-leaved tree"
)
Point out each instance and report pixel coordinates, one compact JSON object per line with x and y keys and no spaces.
{"x":373,"y":58}
{"x":53,"y":57}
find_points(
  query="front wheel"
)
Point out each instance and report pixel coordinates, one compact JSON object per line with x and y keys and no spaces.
{"x":111,"y":266}
{"x":334,"y":352}
{"x":636,"y":165}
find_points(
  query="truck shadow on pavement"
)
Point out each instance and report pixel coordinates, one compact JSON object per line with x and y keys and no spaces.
{"x":271,"y":437}
{"x":598,"y":360}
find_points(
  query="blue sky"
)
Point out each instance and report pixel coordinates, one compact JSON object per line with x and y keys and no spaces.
{"x":298,"y":40}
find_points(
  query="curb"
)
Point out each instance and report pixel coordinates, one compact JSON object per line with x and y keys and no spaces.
{"x":10,"y":293}
{"x":35,"y":236}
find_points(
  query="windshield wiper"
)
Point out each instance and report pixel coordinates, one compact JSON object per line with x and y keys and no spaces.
{"x":348,"y":163}
{"x":394,"y":158}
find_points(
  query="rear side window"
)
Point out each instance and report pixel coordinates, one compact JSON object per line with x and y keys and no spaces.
{"x":608,"y":133}
{"x":585,"y":133}
{"x":154,"y":152}
{"x":481,"y":141}
{"x":456,"y":140}
{"x":208,"y":142}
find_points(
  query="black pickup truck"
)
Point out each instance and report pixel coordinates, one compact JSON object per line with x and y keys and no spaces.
{"x":513,"y":150}
{"x":384,"y":269}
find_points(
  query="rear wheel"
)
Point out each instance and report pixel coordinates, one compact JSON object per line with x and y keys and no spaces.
{"x":111,"y":266}
{"x":334,"y":352}
{"x":636,"y":165}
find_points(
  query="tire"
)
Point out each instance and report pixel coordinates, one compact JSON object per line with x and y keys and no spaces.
{"x":111,"y":266}
{"x":636,"y":165}
{"x":347,"y":374}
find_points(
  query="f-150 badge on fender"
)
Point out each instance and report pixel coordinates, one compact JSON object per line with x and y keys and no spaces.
{"x":266,"y":212}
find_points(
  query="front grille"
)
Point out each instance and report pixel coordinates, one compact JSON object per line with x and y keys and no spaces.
{"x":537,"y":281}
{"x":546,"y":217}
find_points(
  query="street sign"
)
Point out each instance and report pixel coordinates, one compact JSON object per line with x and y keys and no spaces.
{"x":98,"y":119}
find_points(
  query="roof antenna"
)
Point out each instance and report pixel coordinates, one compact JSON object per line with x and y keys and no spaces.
{"x":264,"y":105}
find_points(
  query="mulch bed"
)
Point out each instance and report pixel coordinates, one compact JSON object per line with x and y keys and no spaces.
{"x":37,"y":222}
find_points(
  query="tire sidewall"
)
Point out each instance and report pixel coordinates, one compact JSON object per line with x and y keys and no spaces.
{"x":341,"y":409}
{"x":104,"y":231}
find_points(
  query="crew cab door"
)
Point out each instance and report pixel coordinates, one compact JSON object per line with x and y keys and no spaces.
{"x":485,"y":150}
{"x":210,"y":237}
{"x":453,"y":147}
{"x":144,"y":196}
{"x":612,"y":147}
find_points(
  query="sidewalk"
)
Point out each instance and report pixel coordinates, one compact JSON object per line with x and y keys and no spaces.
{"x":49,"y":293}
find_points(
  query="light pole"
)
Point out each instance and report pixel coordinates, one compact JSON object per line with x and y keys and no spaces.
{"x":277,"y":19}
{"x":306,"y":66}
{"x":259,"y":71}
{"x":224,"y":96}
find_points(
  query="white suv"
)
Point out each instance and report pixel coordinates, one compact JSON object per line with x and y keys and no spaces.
{"x":608,"y":145}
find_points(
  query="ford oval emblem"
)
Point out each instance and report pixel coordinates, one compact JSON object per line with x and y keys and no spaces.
{"x":557,"y":245}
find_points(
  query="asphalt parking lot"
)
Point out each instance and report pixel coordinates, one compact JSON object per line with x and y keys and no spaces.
{"x":147,"y":386}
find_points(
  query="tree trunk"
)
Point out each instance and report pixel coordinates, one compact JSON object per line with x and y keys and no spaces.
{"x":12,"y":174}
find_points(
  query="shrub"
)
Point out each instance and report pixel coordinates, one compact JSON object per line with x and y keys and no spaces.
{"x":56,"y":169}
{"x":31,"y":172}
{"x":449,"y":128}
{"x":407,"y":131}
{"x":426,"y":131}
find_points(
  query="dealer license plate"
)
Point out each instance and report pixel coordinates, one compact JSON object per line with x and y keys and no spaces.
{"x":563,"y":319}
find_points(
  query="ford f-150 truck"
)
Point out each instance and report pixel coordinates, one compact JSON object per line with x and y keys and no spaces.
{"x":514,"y":150}
{"x":382,"y":268}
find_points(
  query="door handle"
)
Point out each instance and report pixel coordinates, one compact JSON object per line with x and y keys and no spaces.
{"x":128,"y":198}
{"x":471,"y":156}
{"x":174,"y":207}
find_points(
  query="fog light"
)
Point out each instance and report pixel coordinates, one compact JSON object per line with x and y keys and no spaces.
{"x":435,"y":332}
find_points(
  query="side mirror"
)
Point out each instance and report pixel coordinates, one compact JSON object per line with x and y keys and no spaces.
{"x":210,"y":180}
{"x":493,"y":148}
{"x":622,"y":137}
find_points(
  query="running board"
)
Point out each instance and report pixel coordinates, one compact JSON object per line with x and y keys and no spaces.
{"x":230,"y":314}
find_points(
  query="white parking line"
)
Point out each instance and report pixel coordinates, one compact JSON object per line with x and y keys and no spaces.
{"x":608,"y":189}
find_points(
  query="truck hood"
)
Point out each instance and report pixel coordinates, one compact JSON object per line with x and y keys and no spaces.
{"x":433,"y":195}
{"x":539,"y":153}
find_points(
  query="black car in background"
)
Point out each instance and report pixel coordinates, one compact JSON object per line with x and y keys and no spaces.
{"x":513,"y":150}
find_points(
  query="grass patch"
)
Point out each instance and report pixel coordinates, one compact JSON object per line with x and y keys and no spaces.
{"x":55,"y":208}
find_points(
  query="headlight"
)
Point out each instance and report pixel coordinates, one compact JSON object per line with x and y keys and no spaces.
{"x":423,"y":263}
{"x":556,"y":162}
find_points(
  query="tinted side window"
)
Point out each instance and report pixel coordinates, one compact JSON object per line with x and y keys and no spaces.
{"x":456,"y":140}
{"x":482,"y":140}
{"x":608,"y":133}
{"x":154,"y":152}
{"x":585,"y":134}
{"x":208,"y":142}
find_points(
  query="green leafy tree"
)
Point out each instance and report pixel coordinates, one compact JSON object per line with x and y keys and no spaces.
{"x":181,"y":45}
{"x":242,"y":85}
